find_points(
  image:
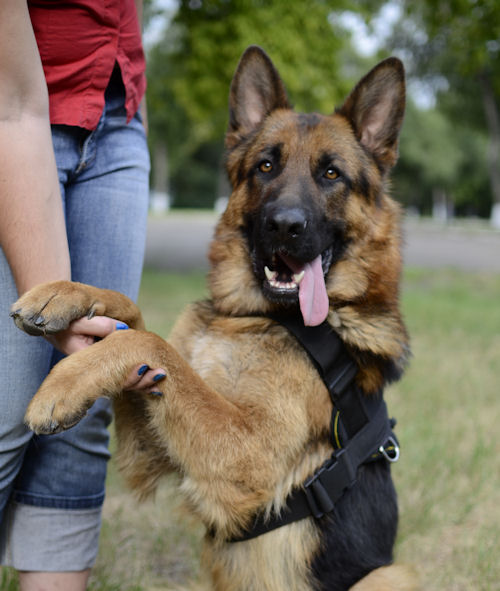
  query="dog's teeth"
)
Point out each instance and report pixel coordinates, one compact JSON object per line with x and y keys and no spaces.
{"x":283,"y":285}
{"x":274,"y":282}
{"x":298,"y":277}
{"x":271,"y":275}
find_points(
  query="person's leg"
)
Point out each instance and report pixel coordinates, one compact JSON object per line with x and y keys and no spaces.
{"x":24,"y":362}
{"x":20,"y":537}
{"x":107,"y":208}
{"x":63,"y":480}
{"x":44,"y":581}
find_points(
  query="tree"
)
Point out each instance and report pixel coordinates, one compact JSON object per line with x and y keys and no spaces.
{"x":440,"y":165}
{"x":458,"y":41}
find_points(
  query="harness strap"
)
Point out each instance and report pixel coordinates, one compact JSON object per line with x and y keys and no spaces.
{"x":361,"y":431}
{"x":320,"y":492}
{"x":351,"y":409}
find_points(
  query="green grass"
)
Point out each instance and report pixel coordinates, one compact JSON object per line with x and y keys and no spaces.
{"x":447,"y":478}
{"x":447,"y":406}
{"x":8,"y":580}
{"x":164,"y":295}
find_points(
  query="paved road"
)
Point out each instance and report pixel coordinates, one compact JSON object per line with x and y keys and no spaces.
{"x":468,"y":248}
{"x":179,"y":242}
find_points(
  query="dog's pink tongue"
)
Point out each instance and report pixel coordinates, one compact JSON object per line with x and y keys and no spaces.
{"x":313,"y":298}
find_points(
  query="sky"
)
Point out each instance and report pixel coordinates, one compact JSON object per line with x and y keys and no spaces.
{"x":156,"y":26}
{"x":366,"y":42}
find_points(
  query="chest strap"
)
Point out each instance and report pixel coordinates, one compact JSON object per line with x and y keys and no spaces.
{"x":360,"y":430}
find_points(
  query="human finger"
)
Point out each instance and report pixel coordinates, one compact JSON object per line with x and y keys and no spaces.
{"x":84,"y":332}
{"x":98,"y":326}
{"x":144,"y":378}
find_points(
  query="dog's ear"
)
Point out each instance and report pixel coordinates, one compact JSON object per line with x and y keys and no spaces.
{"x":256,"y":90}
{"x":375,"y":109}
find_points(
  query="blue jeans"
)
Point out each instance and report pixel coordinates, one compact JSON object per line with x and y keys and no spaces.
{"x":104,"y":184}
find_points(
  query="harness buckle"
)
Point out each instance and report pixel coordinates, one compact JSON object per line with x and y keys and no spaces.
{"x":390,"y":450}
{"x":317,"y":497}
{"x":338,"y":474}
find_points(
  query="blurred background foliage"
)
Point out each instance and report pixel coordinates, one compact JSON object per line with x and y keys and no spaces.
{"x":450,"y":144}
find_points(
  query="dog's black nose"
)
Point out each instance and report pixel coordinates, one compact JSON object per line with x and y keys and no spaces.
{"x":285,"y":224}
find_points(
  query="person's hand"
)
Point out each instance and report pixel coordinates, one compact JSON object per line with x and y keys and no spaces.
{"x":84,"y":332}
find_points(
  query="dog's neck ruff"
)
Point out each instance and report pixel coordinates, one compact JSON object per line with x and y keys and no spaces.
{"x":361,"y":431}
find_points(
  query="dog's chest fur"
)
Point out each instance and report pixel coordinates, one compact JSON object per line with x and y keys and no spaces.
{"x":248,"y":358}
{"x":256,"y":363}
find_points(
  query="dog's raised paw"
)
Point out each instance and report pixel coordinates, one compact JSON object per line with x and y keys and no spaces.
{"x":36,"y":324}
{"x":50,"y":308}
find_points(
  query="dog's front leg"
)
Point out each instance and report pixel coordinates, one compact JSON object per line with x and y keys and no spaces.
{"x":215,"y":443}
{"x":78,"y":380}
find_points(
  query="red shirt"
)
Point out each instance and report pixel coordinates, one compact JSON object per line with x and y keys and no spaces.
{"x":79,"y":42}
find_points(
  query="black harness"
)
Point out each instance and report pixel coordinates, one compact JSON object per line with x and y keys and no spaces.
{"x":361,"y":431}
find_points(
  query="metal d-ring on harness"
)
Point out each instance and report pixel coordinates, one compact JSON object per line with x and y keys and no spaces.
{"x":361,"y":431}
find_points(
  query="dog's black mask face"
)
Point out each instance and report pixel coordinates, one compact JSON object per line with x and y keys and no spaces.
{"x":307,"y":183}
{"x":285,"y":236}
{"x":296,"y":199}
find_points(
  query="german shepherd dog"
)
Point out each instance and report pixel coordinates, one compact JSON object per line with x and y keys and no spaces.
{"x":309,"y":233}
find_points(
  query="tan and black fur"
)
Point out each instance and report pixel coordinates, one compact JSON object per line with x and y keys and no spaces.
{"x":244,"y":416}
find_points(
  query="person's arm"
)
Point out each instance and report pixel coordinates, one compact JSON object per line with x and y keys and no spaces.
{"x":32,"y":227}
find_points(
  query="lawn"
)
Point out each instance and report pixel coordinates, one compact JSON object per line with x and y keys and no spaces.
{"x":448,"y":475}
{"x":448,"y":411}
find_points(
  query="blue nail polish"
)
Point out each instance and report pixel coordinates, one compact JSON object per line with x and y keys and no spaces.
{"x":121,"y":326}
{"x":159,"y":377}
{"x":155,"y":393}
{"x":142,"y":370}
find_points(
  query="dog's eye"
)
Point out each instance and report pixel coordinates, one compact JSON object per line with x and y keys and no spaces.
{"x":331,"y":174}
{"x":265,"y":166}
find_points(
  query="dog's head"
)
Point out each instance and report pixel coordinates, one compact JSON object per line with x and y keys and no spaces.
{"x":309,"y":227}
